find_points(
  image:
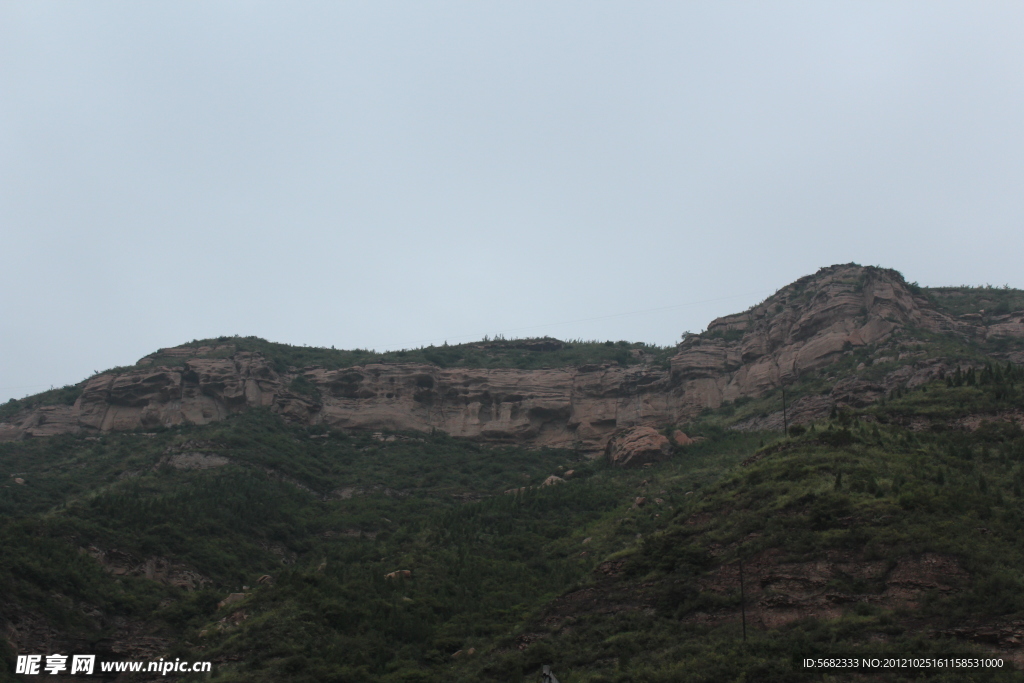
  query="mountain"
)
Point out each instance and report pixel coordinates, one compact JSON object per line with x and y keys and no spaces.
{"x":477,"y":391}
{"x":302,"y":514}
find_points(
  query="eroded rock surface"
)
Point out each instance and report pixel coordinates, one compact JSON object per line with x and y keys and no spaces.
{"x":637,"y":446}
{"x":562,"y":407}
{"x":803,"y":328}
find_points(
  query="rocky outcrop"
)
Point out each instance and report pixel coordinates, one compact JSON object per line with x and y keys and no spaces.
{"x":780,"y":592}
{"x":561,"y":407}
{"x":637,"y":446}
{"x":680,"y":438}
{"x":159,"y":569}
{"x":802,"y":329}
{"x":231,"y":599}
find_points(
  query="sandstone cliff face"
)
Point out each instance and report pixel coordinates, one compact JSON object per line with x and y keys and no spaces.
{"x":637,"y":446}
{"x":802,"y":328}
{"x":564,"y":407}
{"x":805,"y":327}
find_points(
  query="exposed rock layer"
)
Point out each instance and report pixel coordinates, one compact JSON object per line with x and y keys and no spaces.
{"x":637,"y":446}
{"x":803,"y":328}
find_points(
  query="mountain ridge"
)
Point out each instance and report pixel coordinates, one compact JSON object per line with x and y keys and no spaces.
{"x":802,"y":330}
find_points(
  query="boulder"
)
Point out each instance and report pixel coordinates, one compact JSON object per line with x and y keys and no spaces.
{"x":637,"y":446}
{"x":681,"y":438}
{"x":231,"y":599}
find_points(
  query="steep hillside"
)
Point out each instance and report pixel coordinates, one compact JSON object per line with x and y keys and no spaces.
{"x":284,"y":552}
{"x":124,"y":545}
{"x":888,"y":531}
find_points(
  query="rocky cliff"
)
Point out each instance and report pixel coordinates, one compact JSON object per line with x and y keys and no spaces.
{"x":562,"y":407}
{"x":803,"y":329}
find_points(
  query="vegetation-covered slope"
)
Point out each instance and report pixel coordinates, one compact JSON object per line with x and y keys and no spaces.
{"x":895,"y":530}
{"x":525,"y":354}
{"x":890,"y":529}
{"x":327,"y":516}
{"x":885,"y":520}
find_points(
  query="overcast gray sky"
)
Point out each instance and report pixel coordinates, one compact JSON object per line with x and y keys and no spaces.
{"x":385,"y":175}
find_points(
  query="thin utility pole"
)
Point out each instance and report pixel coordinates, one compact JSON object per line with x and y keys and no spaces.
{"x":785,"y":422}
{"x":743,"y":602}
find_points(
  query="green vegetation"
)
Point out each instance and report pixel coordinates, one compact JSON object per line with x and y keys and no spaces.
{"x":391,"y":556}
{"x":984,"y":301}
{"x":497,"y":353}
{"x":63,"y":396}
{"x":853,"y":491}
{"x":328,"y":515}
{"x":525,"y":354}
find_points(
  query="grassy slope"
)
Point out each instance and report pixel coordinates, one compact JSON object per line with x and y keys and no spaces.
{"x":982,"y":300}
